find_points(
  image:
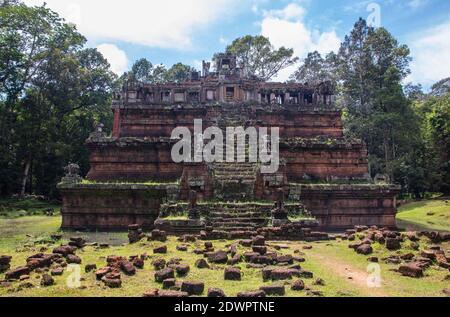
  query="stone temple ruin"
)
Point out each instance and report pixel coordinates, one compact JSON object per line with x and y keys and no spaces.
{"x":133,"y":179}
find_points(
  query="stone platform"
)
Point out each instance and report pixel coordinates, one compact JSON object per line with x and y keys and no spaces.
{"x":110,"y":207}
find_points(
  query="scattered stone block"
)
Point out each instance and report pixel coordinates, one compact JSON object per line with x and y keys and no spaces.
{"x":252,"y":294}
{"x":232,"y":274}
{"x":47,"y":280}
{"x":216,"y":292}
{"x":159,"y":264}
{"x":73,"y":259}
{"x":193,"y":288}
{"x":182,"y":269}
{"x":411,"y":269}
{"x":160,"y":250}
{"x":274,"y":289}
{"x":169,"y":283}
{"x":201,"y":264}
{"x":298,"y":285}
{"x":219,"y":257}
{"x":164,"y":274}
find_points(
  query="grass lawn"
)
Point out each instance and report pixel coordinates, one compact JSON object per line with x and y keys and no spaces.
{"x":345,"y":273}
{"x":430,"y":214}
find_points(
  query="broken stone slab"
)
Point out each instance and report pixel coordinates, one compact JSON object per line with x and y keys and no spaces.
{"x":73,"y":259}
{"x":160,"y":250}
{"x":393,"y":244}
{"x":298,"y":285}
{"x":17,"y":273}
{"x":112,"y":280}
{"x":90,"y":267}
{"x":201,"y":264}
{"x":411,"y":270}
{"x":364,"y":249}
{"x":252,"y":294}
{"x":57,"y":271}
{"x":232,"y":274}
{"x":182,"y":269}
{"x":193,"y":288}
{"x":164,"y":274}
{"x":138,"y":263}
{"x":262,"y":250}
{"x":127,"y":268}
{"x":159,"y":264}
{"x":169,"y":283}
{"x":274,"y":289}
{"x":100,"y":273}
{"x":64,"y":250}
{"x":47,"y":280}
{"x":216,"y":292}
{"x":219,"y":257}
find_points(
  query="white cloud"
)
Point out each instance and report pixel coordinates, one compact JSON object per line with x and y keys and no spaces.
{"x":293,"y":11}
{"x":115,"y":56}
{"x":431,"y":55}
{"x":168,"y":23}
{"x":286,"y":28}
{"x":416,"y":3}
{"x":223,"y":40}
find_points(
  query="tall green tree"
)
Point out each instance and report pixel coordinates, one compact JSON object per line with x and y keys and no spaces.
{"x":258,"y":57}
{"x":48,"y":83}
{"x":316,"y":69}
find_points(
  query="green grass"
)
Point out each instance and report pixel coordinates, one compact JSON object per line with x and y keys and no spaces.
{"x":430,"y":214}
{"x":329,"y":260}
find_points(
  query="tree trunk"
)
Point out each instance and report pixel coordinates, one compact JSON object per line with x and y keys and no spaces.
{"x":25,"y":177}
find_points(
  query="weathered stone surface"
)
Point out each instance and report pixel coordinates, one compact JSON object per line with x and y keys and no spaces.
{"x":159,"y":235}
{"x":252,"y":294}
{"x":100,"y":273}
{"x":232,"y":274}
{"x":64,"y":250}
{"x":159,"y":264}
{"x":160,"y":250}
{"x":90,"y":267}
{"x":127,"y":268}
{"x":259,"y":241}
{"x":182,"y":269}
{"x":112,"y":280}
{"x":298,"y":285}
{"x":220,"y":257}
{"x":78,"y":242}
{"x":73,"y":259}
{"x":364,"y":249}
{"x":138,"y":263}
{"x":287,"y":259}
{"x":182,"y":248}
{"x":393,"y":244}
{"x":411,"y":270}
{"x":201,"y":264}
{"x":57,"y":271}
{"x":47,"y":280}
{"x":169,"y":283}
{"x":274,"y":289}
{"x":193,"y":288}
{"x":259,"y":249}
{"x":281,"y":274}
{"x":164,"y":274}
{"x":216,"y":292}
{"x":15,"y":274}
{"x":175,"y":294}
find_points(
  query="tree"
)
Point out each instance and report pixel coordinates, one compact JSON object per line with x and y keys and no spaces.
{"x":316,"y":69}
{"x":179,"y":73}
{"x":49,"y":83}
{"x":257,"y":56}
{"x":142,"y":71}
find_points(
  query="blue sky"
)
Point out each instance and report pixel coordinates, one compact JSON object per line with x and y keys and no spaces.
{"x":189,"y":31}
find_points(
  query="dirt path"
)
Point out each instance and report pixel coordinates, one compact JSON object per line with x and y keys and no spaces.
{"x":351,"y":274}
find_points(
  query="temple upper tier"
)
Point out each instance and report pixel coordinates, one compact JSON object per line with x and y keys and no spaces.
{"x":226,"y":84}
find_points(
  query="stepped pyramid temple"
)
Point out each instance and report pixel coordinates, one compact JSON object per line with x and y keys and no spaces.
{"x":134,"y":180}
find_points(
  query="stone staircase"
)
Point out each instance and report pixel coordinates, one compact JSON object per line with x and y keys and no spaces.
{"x":235,"y":217}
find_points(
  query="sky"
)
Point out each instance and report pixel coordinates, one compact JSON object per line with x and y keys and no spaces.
{"x":189,"y":31}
